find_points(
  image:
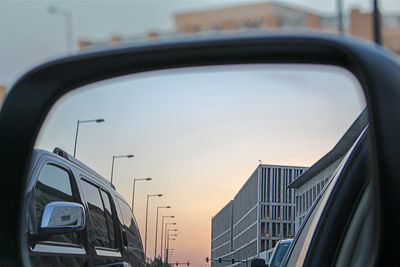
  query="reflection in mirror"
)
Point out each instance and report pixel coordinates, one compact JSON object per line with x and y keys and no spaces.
{"x":62,"y":217}
{"x":240,"y":153}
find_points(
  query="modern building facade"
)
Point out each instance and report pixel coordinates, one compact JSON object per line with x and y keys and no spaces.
{"x":221,"y":233}
{"x":270,"y":15}
{"x":261,"y":214}
{"x":263,"y":16}
{"x":309,"y":185}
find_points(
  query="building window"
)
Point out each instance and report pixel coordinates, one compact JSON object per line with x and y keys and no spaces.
{"x":314,"y":193}
{"x":268,"y":185}
{"x":284,"y":231}
{"x":273,"y":230}
{"x":279,"y":212}
{"x":262,"y":229}
{"x":279,"y":184}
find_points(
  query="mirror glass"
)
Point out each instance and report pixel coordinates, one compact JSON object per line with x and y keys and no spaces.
{"x":62,"y":217}
{"x":223,"y":146}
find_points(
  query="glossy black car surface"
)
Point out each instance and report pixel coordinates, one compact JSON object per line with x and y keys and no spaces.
{"x":110,"y":236}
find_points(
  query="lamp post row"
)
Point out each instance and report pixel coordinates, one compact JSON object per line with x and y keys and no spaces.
{"x":133,"y":195}
{"x":162,"y":233}
{"x":147,"y":215}
{"x":155,"y":242}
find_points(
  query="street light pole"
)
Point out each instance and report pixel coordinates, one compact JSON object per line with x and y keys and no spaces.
{"x":133,"y":189}
{"x":116,"y":157}
{"x":155,"y":242}
{"x":162,"y":233}
{"x":77,"y":130}
{"x":145,"y":233}
{"x":340,"y":15}
{"x":377,"y":23}
{"x":166,"y":235}
{"x":68,"y":24}
{"x":167,"y":248}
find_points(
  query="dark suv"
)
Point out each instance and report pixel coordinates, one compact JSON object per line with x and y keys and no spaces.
{"x":75,"y":217}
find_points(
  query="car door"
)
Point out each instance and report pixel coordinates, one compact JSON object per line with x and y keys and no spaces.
{"x":102,"y":229}
{"x":53,"y":181}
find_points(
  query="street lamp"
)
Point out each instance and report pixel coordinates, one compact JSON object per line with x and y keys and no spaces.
{"x":167,"y":236}
{"x":165,"y":239}
{"x":167,"y":248}
{"x":77,"y":130}
{"x":162,"y":232}
{"x":155,"y":242}
{"x":133,"y":189}
{"x":147,"y":212}
{"x":68,"y":24}
{"x":117,"y":157}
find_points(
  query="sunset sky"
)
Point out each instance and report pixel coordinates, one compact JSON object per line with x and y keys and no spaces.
{"x":200,"y":133}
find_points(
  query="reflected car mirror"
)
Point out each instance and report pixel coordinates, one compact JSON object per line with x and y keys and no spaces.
{"x":62,"y":217}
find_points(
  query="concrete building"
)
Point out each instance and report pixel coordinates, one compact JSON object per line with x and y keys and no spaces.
{"x":271,"y":15}
{"x":267,"y":15}
{"x":221,"y":233}
{"x":261,"y":214}
{"x":2,"y":93}
{"x":308,"y":186}
{"x":263,"y":15}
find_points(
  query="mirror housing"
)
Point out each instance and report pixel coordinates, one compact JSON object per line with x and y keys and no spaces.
{"x":258,"y":263}
{"x":62,"y":218}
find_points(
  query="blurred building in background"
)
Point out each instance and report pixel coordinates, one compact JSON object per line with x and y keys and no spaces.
{"x":309,"y":185}
{"x":265,"y":16}
{"x":2,"y":93}
{"x":261,"y":214}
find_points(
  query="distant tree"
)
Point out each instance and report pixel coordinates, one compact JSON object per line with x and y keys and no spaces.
{"x":156,"y":263}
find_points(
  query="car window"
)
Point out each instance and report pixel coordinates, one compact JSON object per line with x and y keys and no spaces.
{"x":129,"y":222}
{"x":98,"y":229}
{"x":53,"y":184}
{"x":279,"y":255}
{"x":109,"y":218}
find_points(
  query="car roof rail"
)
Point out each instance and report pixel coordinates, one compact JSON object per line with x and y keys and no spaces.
{"x":62,"y":153}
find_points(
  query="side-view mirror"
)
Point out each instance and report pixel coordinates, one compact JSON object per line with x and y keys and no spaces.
{"x":62,"y":218}
{"x":258,"y":263}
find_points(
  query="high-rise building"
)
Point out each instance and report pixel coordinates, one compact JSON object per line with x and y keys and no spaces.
{"x":261,"y":214}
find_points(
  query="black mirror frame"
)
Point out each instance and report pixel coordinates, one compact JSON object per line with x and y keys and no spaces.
{"x":32,"y":96}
